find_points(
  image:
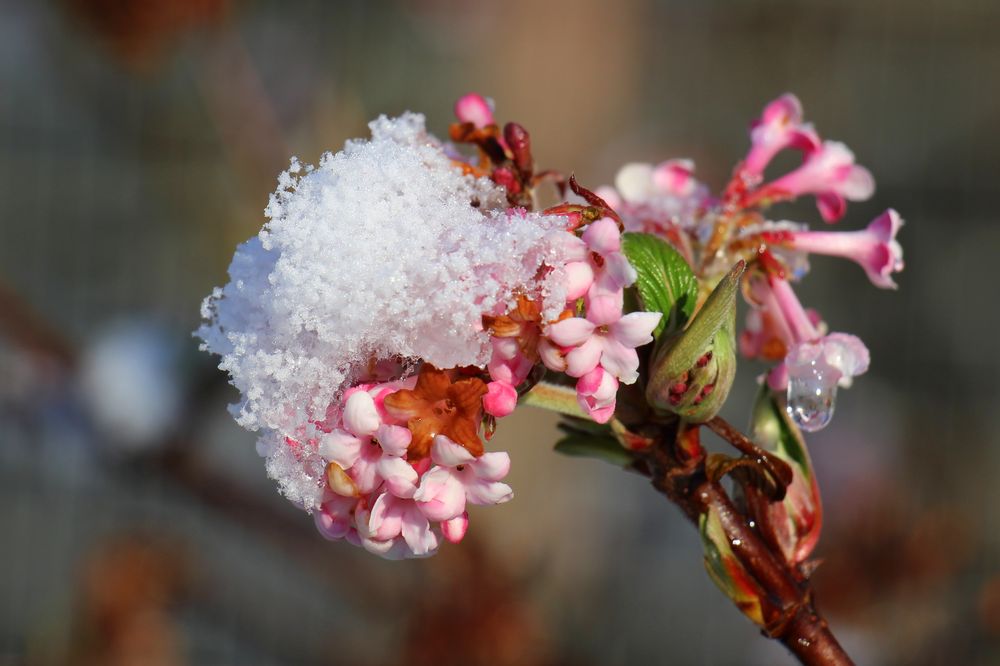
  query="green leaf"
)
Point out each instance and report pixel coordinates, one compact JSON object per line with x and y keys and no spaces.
{"x":602,"y":447}
{"x":570,"y":425}
{"x":665,"y":281}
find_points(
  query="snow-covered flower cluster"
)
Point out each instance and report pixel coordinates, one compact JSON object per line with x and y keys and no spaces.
{"x":404,"y":295}
{"x":713,"y":233}
{"x":393,"y":307}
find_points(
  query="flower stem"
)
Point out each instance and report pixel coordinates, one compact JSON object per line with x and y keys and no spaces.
{"x":791,"y":615}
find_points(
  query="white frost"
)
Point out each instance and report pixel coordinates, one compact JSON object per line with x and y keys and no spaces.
{"x":385,"y":250}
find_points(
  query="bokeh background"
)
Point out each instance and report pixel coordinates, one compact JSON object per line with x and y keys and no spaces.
{"x":139,"y":140}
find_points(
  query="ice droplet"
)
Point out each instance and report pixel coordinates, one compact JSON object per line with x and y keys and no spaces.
{"x":812,"y":392}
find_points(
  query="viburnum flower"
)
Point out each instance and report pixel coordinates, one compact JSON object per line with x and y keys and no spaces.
{"x":459,"y":477}
{"x":874,"y":248}
{"x":814,"y":364}
{"x":405,"y":294}
{"x":610,"y":346}
{"x":830,"y":174}
{"x":779,"y":127}
{"x":475,"y":109}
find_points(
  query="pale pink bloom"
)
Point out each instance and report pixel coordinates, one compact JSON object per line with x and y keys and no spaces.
{"x":844,"y":355}
{"x":780,"y":126}
{"x":634,"y":182}
{"x":392,"y":517}
{"x":874,"y":248}
{"x":454,"y":530}
{"x":815,"y":370}
{"x":460,"y":477}
{"x":610,"y":346}
{"x":675,"y":177}
{"x":830,"y":361}
{"x":500,"y":399}
{"x":508,"y":363}
{"x":828,"y":173}
{"x":370,"y":462}
{"x":596,"y":392}
{"x":579,"y":278}
{"x":553,"y":356}
{"x":475,"y":109}
{"x":335,"y":517}
{"x":612,"y":272}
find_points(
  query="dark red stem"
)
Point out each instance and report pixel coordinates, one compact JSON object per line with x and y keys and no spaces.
{"x":791,"y":615}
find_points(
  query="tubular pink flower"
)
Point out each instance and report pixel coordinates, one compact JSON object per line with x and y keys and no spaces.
{"x":596,"y":392}
{"x":780,"y":126}
{"x":830,"y":174}
{"x":460,"y":477}
{"x":475,"y":109}
{"x":794,"y":317}
{"x":874,"y":248}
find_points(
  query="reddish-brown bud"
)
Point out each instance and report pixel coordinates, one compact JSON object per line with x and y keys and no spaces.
{"x":519,"y":142}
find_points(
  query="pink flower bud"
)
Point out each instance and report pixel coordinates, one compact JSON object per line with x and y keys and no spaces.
{"x":500,"y":399}
{"x":475,"y":109}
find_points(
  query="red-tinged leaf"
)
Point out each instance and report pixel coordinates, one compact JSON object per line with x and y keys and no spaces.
{"x":726,"y":570}
{"x":593,"y":200}
{"x":793,"y":524}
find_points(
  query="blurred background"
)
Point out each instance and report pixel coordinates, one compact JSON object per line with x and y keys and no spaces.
{"x":139,"y":140}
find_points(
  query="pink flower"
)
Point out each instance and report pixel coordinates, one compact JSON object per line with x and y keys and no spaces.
{"x":596,"y":392}
{"x":475,"y":109}
{"x":500,"y":399}
{"x":610,"y":346}
{"x":874,"y":248}
{"x":392,"y":517}
{"x":612,"y":271}
{"x":335,"y":517}
{"x":780,"y":126}
{"x":814,"y":364}
{"x":676,"y":177}
{"x":815,"y":370}
{"x":508,"y":363}
{"x":460,"y":477}
{"x":368,"y":451}
{"x":830,"y":174}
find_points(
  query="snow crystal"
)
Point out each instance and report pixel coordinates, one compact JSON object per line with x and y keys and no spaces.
{"x":384,"y":250}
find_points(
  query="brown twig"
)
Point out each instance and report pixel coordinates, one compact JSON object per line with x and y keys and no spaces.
{"x":787,"y":604}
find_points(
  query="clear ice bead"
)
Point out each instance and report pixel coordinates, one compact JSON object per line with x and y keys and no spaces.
{"x":812,"y":392}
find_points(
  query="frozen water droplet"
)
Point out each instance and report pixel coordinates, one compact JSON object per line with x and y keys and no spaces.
{"x":812,"y":392}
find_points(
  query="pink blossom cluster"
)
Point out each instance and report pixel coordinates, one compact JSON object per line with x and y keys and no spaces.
{"x":378,"y":498}
{"x":596,"y":346}
{"x":714,"y":233}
